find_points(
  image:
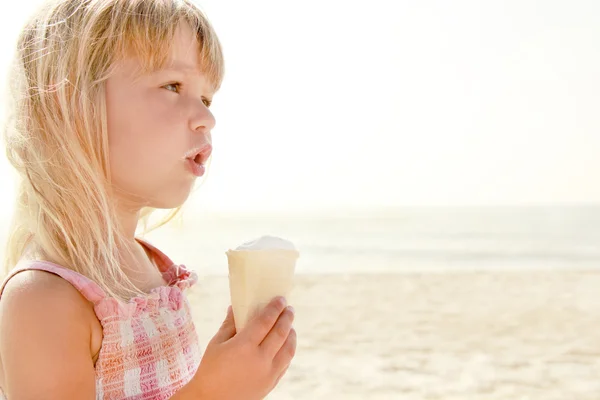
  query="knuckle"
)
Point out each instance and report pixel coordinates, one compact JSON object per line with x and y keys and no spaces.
{"x":289,"y":347}
{"x":263,"y":361}
{"x":292,"y":343}
{"x":267,"y":321}
{"x":291,"y":350}
{"x":247,"y":348}
{"x":259,"y":354}
{"x":273,"y":313}
{"x":282,"y":329}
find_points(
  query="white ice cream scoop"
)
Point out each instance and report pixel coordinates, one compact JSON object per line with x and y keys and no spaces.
{"x":267,"y":243}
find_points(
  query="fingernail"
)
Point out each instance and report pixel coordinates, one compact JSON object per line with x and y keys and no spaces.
{"x":292,"y":310}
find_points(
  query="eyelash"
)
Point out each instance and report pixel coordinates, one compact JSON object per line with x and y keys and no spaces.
{"x":180,"y":85}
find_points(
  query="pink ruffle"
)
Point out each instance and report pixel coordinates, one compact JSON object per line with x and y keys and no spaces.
{"x":170,"y":297}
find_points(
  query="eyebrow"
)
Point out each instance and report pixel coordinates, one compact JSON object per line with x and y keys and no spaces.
{"x":179,"y":66}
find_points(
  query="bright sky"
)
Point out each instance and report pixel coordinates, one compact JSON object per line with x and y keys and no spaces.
{"x":346,"y":103}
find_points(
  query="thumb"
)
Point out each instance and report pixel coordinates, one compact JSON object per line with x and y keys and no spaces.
{"x":227,"y":329}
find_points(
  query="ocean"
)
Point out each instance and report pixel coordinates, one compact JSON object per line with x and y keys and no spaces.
{"x":400,"y":240}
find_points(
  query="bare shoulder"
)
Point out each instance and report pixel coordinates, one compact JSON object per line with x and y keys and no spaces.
{"x":35,"y":290}
{"x":45,"y":337}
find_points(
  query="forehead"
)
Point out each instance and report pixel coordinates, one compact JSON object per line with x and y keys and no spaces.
{"x":184,"y":50}
{"x":181,"y":55}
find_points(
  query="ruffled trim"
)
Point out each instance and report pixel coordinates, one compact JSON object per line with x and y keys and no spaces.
{"x":170,"y":297}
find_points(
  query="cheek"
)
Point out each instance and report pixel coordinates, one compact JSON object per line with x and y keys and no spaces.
{"x":141,"y":144}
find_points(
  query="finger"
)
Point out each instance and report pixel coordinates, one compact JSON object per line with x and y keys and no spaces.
{"x":227,"y":329}
{"x":281,"y":375}
{"x":262,"y":323}
{"x":286,"y":353}
{"x":278,"y":334}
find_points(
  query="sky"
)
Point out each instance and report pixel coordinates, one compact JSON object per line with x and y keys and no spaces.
{"x":345,"y":104}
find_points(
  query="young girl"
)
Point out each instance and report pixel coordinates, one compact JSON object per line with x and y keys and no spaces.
{"x":111,"y":119}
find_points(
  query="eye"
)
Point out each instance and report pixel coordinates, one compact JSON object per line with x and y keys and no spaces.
{"x":174,"y":84}
{"x":179,"y":85}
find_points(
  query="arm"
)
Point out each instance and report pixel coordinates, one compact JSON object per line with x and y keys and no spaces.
{"x":45,"y":336}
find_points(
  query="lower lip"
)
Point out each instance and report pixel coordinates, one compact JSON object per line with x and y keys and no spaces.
{"x":195,"y":168}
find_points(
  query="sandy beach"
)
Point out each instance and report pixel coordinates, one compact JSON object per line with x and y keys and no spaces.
{"x":450,"y":336}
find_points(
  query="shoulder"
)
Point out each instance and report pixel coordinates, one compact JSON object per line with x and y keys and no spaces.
{"x":31,"y":287}
{"x":42,"y":298}
{"x":50,"y":315}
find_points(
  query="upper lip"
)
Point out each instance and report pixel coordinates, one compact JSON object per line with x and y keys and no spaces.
{"x":202,"y":152}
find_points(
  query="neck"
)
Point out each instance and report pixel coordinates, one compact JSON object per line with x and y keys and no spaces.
{"x":129,"y":248}
{"x":128,"y":220}
{"x":136,"y":263}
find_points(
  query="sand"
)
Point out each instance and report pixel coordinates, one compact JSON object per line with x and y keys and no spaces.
{"x":451,"y":336}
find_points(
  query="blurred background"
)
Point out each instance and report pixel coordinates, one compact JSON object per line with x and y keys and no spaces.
{"x":435,"y":162}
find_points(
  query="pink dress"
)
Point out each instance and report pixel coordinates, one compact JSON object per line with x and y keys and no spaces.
{"x":150,"y":346}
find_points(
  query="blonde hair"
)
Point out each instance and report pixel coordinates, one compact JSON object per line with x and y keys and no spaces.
{"x":56,"y":130}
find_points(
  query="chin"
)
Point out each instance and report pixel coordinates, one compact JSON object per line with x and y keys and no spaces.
{"x":171,"y":199}
{"x":167,"y":205}
{"x":170,"y":203}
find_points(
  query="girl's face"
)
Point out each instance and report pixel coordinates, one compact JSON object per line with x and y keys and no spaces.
{"x":156,"y":122}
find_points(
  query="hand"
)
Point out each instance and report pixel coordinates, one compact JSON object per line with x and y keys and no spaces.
{"x":248,"y":365}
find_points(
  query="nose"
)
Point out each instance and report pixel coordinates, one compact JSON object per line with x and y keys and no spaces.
{"x":203,"y":121}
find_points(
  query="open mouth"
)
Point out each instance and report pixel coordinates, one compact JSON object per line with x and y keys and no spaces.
{"x":195,"y":167}
{"x":200,"y":155}
{"x":197,"y":159}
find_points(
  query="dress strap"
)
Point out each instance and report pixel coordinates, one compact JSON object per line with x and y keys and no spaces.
{"x":163,"y":262}
{"x":88,"y":288}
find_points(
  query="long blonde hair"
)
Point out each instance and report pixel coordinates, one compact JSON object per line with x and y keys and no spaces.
{"x":56,"y":130}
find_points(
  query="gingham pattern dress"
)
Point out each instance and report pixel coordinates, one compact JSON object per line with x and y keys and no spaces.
{"x":150,"y":346}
